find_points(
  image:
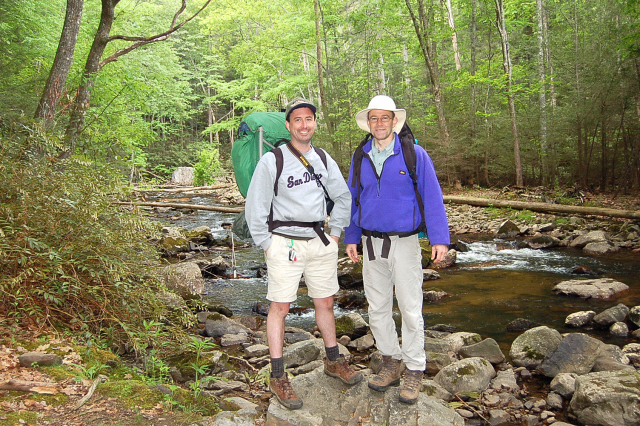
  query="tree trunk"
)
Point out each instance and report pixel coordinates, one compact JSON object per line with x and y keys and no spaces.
{"x":542,"y":100}
{"x":454,"y":36}
{"x":61,"y":64}
{"x":502,"y":29}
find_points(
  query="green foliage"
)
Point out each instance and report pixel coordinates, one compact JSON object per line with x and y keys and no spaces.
{"x":207,"y":167}
{"x":69,"y":257}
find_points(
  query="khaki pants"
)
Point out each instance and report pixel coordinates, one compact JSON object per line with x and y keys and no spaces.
{"x":402,"y":271}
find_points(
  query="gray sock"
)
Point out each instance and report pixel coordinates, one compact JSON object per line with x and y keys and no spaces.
{"x":277,"y":367}
{"x":332,"y":353}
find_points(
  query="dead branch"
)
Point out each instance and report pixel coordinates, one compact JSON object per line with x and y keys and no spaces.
{"x":187,"y":189}
{"x":100,"y":379}
{"x":184,"y":206}
{"x":45,"y":388}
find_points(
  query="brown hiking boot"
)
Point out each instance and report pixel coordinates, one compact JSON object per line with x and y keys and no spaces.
{"x":283,"y":391}
{"x":411,"y":387}
{"x":340,"y":369}
{"x":389,"y":374}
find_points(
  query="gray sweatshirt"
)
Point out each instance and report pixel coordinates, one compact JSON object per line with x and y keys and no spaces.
{"x":299,"y":198}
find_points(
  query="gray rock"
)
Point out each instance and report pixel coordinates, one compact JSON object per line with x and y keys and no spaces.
{"x":508,"y":229}
{"x":40,"y":359}
{"x":256,"y":351}
{"x":607,"y":399}
{"x":301,"y":353}
{"x":467,"y":375}
{"x":611,"y":358}
{"x":505,"y":380}
{"x":185,"y":279}
{"x":579,"y":319}
{"x":499,"y":417}
{"x":218,"y":325}
{"x":612,"y":315}
{"x":554,"y":401}
{"x":353,"y":325}
{"x":619,"y":329}
{"x":362,"y":344}
{"x":591,"y":237}
{"x":430,"y":275}
{"x":532,"y":347}
{"x":597,"y":288}
{"x":600,"y":248}
{"x":576,"y":353}
{"x":543,"y":242}
{"x":431,"y":296}
{"x":564,"y":384}
{"x":634,"y":315}
{"x":487,"y":349}
{"x":234,"y":339}
{"x":456,"y":341}
{"x":431,"y":388}
{"x":437,"y":361}
{"x":521,"y":324}
{"x":328,"y":401}
{"x":183,"y":176}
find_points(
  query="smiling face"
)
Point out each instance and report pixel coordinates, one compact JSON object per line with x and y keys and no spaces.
{"x":381,"y":123}
{"x":302,"y":125}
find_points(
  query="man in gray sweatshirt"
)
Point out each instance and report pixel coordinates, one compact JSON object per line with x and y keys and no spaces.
{"x":289,"y":226}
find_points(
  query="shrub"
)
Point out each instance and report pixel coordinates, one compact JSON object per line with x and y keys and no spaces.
{"x":206,"y":168}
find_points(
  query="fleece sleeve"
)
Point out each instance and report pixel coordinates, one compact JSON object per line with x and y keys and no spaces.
{"x":435,"y":215}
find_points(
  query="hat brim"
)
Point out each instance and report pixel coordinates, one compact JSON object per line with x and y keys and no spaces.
{"x":312,"y":107}
{"x":361,"y":119}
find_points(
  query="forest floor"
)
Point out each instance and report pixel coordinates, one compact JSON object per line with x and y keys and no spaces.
{"x":58,"y":409}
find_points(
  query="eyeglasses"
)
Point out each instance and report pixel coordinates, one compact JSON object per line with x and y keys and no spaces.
{"x":384,"y":119}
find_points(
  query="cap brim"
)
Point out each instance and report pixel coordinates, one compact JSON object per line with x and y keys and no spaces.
{"x":312,"y":107}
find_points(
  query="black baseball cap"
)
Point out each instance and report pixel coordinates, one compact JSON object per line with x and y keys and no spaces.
{"x":298,"y":103}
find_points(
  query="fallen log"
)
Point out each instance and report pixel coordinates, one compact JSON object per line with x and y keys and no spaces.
{"x":543,"y":207}
{"x":186,"y":189}
{"x":183,"y":206}
{"x":44,"y":388}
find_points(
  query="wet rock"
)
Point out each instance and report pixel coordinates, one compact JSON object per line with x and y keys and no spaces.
{"x":583,"y":270}
{"x":349,"y":274}
{"x":430,"y":275}
{"x":619,"y":329}
{"x":449,"y":260}
{"x":600,"y":248}
{"x":612,"y":315}
{"x":200,"y":236}
{"x":597,"y":288}
{"x":508,"y":229}
{"x":218,"y":325}
{"x":185,"y":279}
{"x":353,"y":325}
{"x":213,"y":268}
{"x":260,"y":308}
{"x":351,"y":299}
{"x":591,"y":237}
{"x":543,"y":242}
{"x":531,"y":347}
{"x":521,"y":324}
{"x":634,"y":315}
{"x":579,"y":319}
{"x":576,"y":353}
{"x":431,"y":296}
{"x":467,"y":375}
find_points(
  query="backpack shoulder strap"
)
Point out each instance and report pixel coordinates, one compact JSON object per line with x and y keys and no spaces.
{"x":407,"y":141}
{"x":279,"y":165}
{"x":323,"y":156}
{"x":358,"y":155}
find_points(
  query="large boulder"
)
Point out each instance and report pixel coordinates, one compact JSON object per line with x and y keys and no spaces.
{"x":576,"y":353}
{"x":634,"y":315}
{"x":508,"y":229}
{"x":217,"y":325}
{"x":352,"y":325}
{"x":183,"y":176}
{"x":487,"y":349}
{"x":185,"y":279}
{"x":533,"y":346}
{"x":597,"y":288}
{"x":607,"y":398}
{"x":590,"y":237}
{"x":467,"y":375}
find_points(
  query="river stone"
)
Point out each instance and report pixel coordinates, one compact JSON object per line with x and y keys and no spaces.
{"x":576,"y":353}
{"x":619,"y":329}
{"x":466,"y":375}
{"x":579,"y":319}
{"x":351,"y":299}
{"x":430,"y":296}
{"x":564,"y":384}
{"x":521,"y":324}
{"x":254,"y":351}
{"x":455,"y":341}
{"x":38,"y":358}
{"x":218,"y":325}
{"x":591,"y":237}
{"x":431,"y":388}
{"x":362,"y":344}
{"x":508,"y":229}
{"x":498,"y":417}
{"x":597,"y":288}
{"x":599,"y":248}
{"x":487,"y":349}
{"x":505,"y":380}
{"x":430,"y":275}
{"x":234,"y":339}
{"x":634,"y":315}
{"x":449,"y":260}
{"x":612,"y":315}
{"x":554,"y":401}
{"x":328,"y":401}
{"x":353,"y":325}
{"x":611,"y":358}
{"x":607,"y":399}
{"x":213,"y":268}
{"x":185,"y":279}
{"x":173,"y":241}
{"x":531,"y":347}
{"x":437,"y":361}
{"x":543,"y":242}
{"x":349,"y":274}
{"x":200,"y":235}
{"x":304,"y":352}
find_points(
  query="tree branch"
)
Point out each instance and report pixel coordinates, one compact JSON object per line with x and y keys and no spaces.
{"x":141,"y":41}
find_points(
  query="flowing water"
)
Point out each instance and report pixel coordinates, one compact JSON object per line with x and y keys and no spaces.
{"x":492,"y":284}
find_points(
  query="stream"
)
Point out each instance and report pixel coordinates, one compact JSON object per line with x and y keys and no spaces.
{"x":491,"y":285}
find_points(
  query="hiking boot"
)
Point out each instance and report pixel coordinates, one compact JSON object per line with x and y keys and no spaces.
{"x":283,"y":391}
{"x":389,"y":374}
{"x":340,"y":369}
{"x":411,"y":387}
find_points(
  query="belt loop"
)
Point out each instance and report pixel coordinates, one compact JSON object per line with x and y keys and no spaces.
{"x":370,"y":252}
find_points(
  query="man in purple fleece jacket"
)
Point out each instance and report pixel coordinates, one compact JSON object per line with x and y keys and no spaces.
{"x":386,"y":218}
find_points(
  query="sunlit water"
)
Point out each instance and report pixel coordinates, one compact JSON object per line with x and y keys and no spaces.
{"x":492,"y":284}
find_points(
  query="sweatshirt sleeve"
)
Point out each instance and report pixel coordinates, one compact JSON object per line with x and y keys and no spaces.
{"x":339,"y":193}
{"x":435,"y":215}
{"x":353,"y":233}
{"x":259,"y":199}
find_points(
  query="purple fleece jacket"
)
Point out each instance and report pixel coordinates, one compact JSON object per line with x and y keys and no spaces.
{"x":388,"y":203}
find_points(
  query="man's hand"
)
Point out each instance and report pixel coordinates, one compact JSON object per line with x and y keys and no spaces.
{"x":352,"y":252}
{"x":336,"y":239}
{"x":438,"y":252}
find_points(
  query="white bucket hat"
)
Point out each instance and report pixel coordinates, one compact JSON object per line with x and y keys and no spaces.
{"x":385,"y":103}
